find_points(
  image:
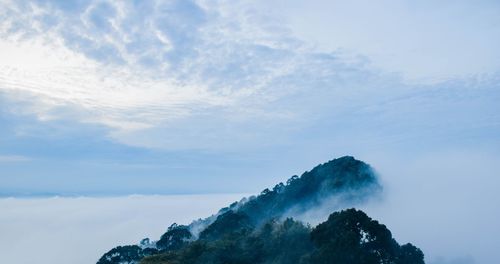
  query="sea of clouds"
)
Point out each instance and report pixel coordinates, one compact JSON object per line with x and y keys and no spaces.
{"x":443,"y":203}
{"x":79,"y":230}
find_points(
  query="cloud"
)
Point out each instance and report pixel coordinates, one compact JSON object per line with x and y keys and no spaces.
{"x":424,"y":42}
{"x":13,"y":158}
{"x":199,"y":75}
{"x":226,"y":92}
{"x":125,"y":67}
{"x":458,"y":260}
{"x":49,"y":226}
{"x":441,"y":201}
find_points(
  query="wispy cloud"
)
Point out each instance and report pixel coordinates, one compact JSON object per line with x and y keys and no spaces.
{"x":164,"y":67}
{"x":137,"y":67}
{"x":13,"y":158}
{"x":190,"y":74}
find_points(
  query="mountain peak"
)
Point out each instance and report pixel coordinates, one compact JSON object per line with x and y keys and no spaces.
{"x":337,"y":184}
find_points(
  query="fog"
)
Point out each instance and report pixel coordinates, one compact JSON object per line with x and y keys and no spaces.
{"x":445,"y":203}
{"x":63,"y":230}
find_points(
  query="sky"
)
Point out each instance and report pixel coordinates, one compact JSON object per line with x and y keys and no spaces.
{"x":115,"y":98}
{"x":104,"y":97}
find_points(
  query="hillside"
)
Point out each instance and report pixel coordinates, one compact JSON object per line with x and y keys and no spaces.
{"x":261,"y":229}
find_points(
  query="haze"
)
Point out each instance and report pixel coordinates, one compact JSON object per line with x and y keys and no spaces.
{"x":108,"y":99}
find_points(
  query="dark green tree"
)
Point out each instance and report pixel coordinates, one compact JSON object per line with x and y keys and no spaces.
{"x":176,"y":237}
{"x":124,"y":255}
{"x":227,"y":223}
{"x":351,"y":237}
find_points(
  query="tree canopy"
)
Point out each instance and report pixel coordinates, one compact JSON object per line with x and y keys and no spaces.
{"x":347,"y":237}
{"x":258,"y":230}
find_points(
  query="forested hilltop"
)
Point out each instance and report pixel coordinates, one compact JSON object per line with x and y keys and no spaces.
{"x":261,"y":229}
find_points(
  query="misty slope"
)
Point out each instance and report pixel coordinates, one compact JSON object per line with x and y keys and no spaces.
{"x":258,"y":229}
{"x":347,"y":180}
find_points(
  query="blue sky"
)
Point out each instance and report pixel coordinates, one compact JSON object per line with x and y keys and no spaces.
{"x":158,"y":97}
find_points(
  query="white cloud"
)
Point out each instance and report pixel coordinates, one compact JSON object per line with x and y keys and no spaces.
{"x":424,"y":41}
{"x":62,"y":230}
{"x":114,"y":96}
{"x":441,"y":201}
{"x":187,"y":75}
{"x":91,"y":64}
{"x":73,"y":65}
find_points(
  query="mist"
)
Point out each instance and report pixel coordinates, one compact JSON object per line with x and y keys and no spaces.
{"x":62,"y":230}
{"x":443,"y":203}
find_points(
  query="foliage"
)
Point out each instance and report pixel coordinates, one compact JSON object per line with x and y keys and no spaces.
{"x":351,"y":237}
{"x":250,"y":231}
{"x":176,"y":237}
{"x":274,"y":242}
{"x":342,"y":175}
{"x":347,"y":237}
{"x":125,"y":255}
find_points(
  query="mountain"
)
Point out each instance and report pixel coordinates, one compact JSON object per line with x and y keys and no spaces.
{"x":262,"y":229}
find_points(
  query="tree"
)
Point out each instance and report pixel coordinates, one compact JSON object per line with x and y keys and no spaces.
{"x":122,"y":255}
{"x":351,"y":237}
{"x":176,"y":237}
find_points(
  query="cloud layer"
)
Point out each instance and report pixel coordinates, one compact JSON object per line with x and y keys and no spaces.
{"x":194,"y":75}
{"x":79,"y":230}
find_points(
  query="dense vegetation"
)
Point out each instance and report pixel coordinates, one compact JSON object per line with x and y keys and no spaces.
{"x":347,"y":237}
{"x":252,"y":230}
